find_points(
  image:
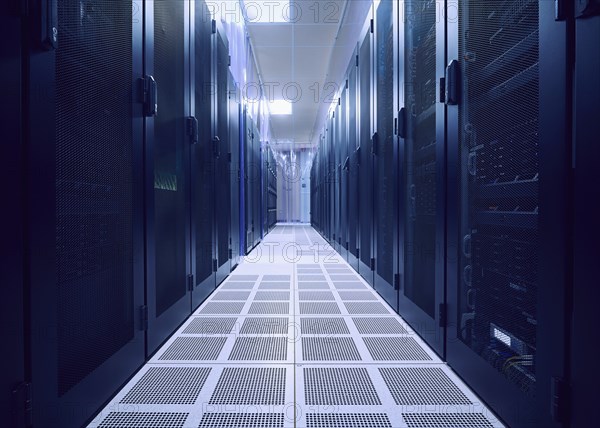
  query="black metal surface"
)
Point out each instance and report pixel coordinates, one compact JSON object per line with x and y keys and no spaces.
{"x":234,"y":168}
{"x":353,"y":172}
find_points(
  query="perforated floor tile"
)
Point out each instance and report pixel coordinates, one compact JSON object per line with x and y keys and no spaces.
{"x":242,"y":420}
{"x":250,"y":385}
{"x":224,"y":308}
{"x":372,"y":325}
{"x":194,"y":348}
{"x":326,"y":326}
{"x":144,"y":420}
{"x":316,"y":295}
{"x":265,"y":325}
{"x":360,"y":308}
{"x":311,"y":278}
{"x":446,"y":420}
{"x":259,"y":348}
{"x":231,"y":295}
{"x":349,"y":285}
{"x":272,"y":295}
{"x":210,"y":325}
{"x":269,"y":308}
{"x":395,"y":349}
{"x":276,"y":278}
{"x":422,"y":386}
{"x":348,"y":420}
{"x":313,"y":286}
{"x":357,"y":295}
{"x":168,"y":385}
{"x":237,"y":277}
{"x":274,"y":286}
{"x":319,"y":308}
{"x":330,"y":386}
{"x":338,"y":277}
{"x":235,"y":285}
{"x":329,"y":349}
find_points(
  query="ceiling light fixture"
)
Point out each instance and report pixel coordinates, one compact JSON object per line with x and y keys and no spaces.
{"x":266,"y":11}
{"x":280,"y":107}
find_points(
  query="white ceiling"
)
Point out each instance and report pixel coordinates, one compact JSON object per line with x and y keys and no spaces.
{"x":307,"y":54}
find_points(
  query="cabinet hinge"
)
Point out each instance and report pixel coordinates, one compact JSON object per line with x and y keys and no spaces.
{"x":22,"y":405}
{"x":375,"y":143}
{"x":149,"y":96}
{"x":190,"y":281}
{"x":192,"y":129}
{"x":402,"y":123}
{"x":358,"y":253}
{"x":213,"y":24}
{"x":357,"y":60}
{"x":396,"y":281}
{"x":559,"y":399}
{"x":372,"y":263}
{"x":372,"y":26}
{"x":452,"y":83}
{"x":144,"y":318}
{"x":215,"y":265}
{"x":442,"y":314}
{"x":346,"y":83}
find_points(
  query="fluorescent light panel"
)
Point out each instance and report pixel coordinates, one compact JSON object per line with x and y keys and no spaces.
{"x":280,"y":107}
{"x":267,"y":11}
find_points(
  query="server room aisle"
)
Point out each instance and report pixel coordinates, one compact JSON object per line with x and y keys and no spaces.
{"x":295,"y":338}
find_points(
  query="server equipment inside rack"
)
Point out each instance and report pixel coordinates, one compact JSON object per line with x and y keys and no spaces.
{"x":367,"y":213}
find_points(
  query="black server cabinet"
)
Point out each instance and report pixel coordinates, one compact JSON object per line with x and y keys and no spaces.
{"x":202,"y":158}
{"x":234,"y":169}
{"x":271,"y":177}
{"x":12,"y":381}
{"x":352,"y":168}
{"x":385,"y":153}
{"x":365,"y":162}
{"x":506,"y":95}
{"x":85,"y":255}
{"x":249,"y":177}
{"x":221,"y":262}
{"x":256,"y":147}
{"x":344,"y":179}
{"x":584,"y":374}
{"x":422,"y":177}
{"x":167,"y":151}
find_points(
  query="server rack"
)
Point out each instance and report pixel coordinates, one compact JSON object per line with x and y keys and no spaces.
{"x":344,"y":179}
{"x":256,"y":196}
{"x":422,"y":153}
{"x":353,"y":159}
{"x":202,"y":160}
{"x":221,"y":262}
{"x":336,"y":147}
{"x":248,"y":179}
{"x":167,"y":152}
{"x":271,"y":177}
{"x":508,"y":135}
{"x":365,"y":162}
{"x":84,"y":192}
{"x":234,"y":112}
{"x":385,"y":152}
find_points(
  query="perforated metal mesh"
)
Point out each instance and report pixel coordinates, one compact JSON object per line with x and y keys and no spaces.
{"x":313,"y":286}
{"x":360,"y":308}
{"x":357,"y":295}
{"x":347,"y":420}
{"x":250,"y":385}
{"x":422,"y":386}
{"x":265,"y":325}
{"x":335,"y":277}
{"x":329,"y":349}
{"x":242,"y":420}
{"x":194,"y":348}
{"x":446,"y":420}
{"x":323,"y":326}
{"x":319,"y":308}
{"x":222,"y":308}
{"x":328,"y":386}
{"x":274,"y":286}
{"x":259,"y":348}
{"x":349,"y":285}
{"x":231,"y":295}
{"x":272,"y":295}
{"x":237,"y":277}
{"x":370,"y":325}
{"x":311,"y":278}
{"x":269,"y":308}
{"x":144,"y":420}
{"x":316,"y":295}
{"x":168,"y":385}
{"x":210,"y":325}
{"x":276,"y":278}
{"x":395,"y":349}
{"x":236,"y":285}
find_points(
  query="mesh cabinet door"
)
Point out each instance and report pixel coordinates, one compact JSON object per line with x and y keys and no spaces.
{"x":353,"y":176}
{"x":85,"y":239}
{"x":234,"y":169}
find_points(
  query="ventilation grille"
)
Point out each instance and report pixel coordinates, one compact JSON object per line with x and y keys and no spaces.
{"x":347,"y":420}
{"x":446,"y":420}
{"x":270,"y":308}
{"x":242,"y":420}
{"x":357,"y":295}
{"x":168,"y":385}
{"x":339,"y":386}
{"x":276,"y":278}
{"x":379,"y":326}
{"x":422,"y":386}
{"x":222,"y":308}
{"x":316,"y":295}
{"x":319,"y":308}
{"x":323,"y":326}
{"x":311,"y":278}
{"x":265,"y":325}
{"x":313,"y":286}
{"x":244,"y":277}
{"x":329,"y":349}
{"x":274,"y":286}
{"x":314,"y":271}
{"x":359,"y":308}
{"x":346,"y":285}
{"x":250,"y":385}
{"x":206,"y":326}
{"x":144,"y":420}
{"x":236,"y":285}
{"x":194,"y":348}
{"x":272,"y":295}
{"x":259,"y":348}
{"x":343,"y":277}
{"x":395,"y":349}
{"x":231,"y":295}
